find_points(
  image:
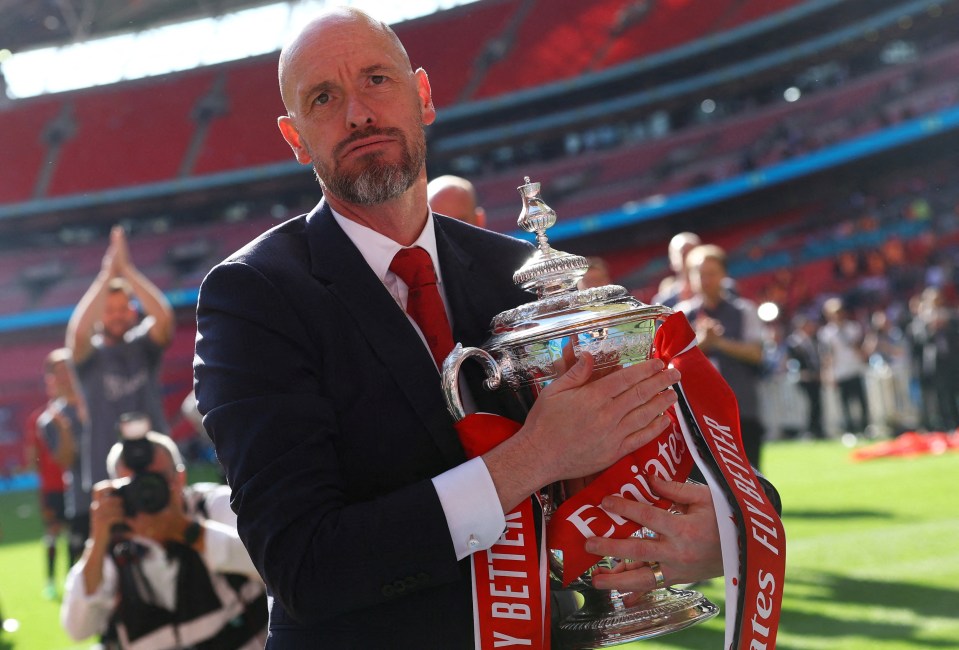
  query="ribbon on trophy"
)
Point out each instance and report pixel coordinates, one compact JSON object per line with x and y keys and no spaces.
{"x":511,"y":578}
{"x":705,"y":423}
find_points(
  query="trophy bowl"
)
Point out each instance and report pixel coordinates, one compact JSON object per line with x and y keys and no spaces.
{"x":529,"y":347}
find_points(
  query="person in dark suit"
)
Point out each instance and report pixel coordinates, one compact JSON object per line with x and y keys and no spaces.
{"x":802,"y":346}
{"x":353,"y":494}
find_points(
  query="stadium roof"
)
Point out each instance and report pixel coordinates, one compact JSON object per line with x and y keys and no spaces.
{"x":27,"y":24}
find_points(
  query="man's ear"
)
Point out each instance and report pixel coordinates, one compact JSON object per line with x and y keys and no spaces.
{"x":292,"y":137}
{"x":426,"y":96}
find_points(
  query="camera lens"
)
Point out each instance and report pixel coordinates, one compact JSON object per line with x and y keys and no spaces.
{"x":137,"y":454}
{"x":147,"y":492}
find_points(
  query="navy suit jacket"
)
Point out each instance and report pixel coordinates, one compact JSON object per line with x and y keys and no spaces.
{"x":327,"y":415}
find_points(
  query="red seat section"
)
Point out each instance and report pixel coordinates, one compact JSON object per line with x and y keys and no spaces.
{"x":246,"y":135}
{"x":130,"y":133}
{"x":557,"y":40}
{"x":448,"y":44}
{"x":22,"y":150}
{"x":667,"y":24}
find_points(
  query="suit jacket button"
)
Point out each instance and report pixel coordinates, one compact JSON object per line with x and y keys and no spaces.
{"x":388,"y":591}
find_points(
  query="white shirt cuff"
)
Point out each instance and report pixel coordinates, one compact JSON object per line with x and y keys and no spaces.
{"x":471,"y":505}
{"x":223,"y":550}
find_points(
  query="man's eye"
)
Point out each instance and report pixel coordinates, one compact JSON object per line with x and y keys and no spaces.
{"x":322,"y":98}
{"x":377,"y":79}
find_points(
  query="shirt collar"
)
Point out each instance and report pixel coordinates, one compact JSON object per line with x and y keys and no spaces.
{"x":378,"y":250}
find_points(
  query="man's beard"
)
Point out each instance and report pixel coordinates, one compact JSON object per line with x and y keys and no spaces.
{"x":378,"y":181}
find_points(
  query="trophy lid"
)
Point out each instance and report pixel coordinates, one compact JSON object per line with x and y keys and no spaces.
{"x":548,"y":271}
{"x":560,"y":310}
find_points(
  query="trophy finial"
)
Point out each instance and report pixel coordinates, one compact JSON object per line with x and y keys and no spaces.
{"x":549,"y":271}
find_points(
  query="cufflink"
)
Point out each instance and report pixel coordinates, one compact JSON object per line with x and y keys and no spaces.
{"x":472,"y":542}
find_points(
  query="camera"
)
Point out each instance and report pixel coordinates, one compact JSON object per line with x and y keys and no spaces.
{"x":145,"y":491}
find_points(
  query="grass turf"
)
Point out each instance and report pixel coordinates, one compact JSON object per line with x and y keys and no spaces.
{"x":873,"y":558}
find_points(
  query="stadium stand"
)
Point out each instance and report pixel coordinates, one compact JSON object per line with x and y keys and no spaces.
{"x":243,"y":133}
{"x":24,"y":151}
{"x":117,"y":141}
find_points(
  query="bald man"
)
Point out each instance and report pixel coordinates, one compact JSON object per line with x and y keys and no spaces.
{"x":455,"y":197}
{"x":353,"y":493}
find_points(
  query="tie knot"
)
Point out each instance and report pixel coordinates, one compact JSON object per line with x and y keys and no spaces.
{"x":414,"y":267}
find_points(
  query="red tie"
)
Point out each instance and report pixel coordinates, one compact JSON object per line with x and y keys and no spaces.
{"x":424,"y":304}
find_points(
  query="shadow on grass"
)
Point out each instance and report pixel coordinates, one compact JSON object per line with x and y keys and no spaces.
{"x":826,"y":515}
{"x":831,"y":588}
{"x":922,"y":600}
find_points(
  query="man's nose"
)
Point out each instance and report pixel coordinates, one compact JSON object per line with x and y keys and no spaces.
{"x":358,"y":113}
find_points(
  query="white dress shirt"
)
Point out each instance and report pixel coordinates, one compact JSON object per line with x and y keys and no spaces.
{"x":469,"y":498}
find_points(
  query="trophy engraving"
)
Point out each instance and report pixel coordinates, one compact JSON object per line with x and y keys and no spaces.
{"x":529,"y":347}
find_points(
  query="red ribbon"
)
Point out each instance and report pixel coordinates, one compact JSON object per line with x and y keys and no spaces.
{"x":753,"y":537}
{"x":510,"y":579}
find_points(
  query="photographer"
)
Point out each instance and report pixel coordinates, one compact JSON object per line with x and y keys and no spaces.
{"x":164,"y":566}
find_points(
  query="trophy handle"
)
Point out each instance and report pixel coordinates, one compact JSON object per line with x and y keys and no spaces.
{"x":451,"y":371}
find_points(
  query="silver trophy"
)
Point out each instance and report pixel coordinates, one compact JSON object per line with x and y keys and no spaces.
{"x":532,"y":345}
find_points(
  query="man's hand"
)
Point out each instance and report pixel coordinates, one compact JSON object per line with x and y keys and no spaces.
{"x":581,"y":424}
{"x":708,"y":333}
{"x":106,"y":511}
{"x":120,"y":248}
{"x":686,"y":545}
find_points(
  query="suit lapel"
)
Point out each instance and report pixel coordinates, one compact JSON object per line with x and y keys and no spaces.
{"x":469,"y":295}
{"x":337,"y":263}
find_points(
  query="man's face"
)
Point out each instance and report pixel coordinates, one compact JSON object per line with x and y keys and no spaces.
{"x":58,"y":380}
{"x":707,"y":278}
{"x":356,"y":110}
{"x":118,"y":315}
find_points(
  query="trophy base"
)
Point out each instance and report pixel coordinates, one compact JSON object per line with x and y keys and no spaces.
{"x":605,"y":620}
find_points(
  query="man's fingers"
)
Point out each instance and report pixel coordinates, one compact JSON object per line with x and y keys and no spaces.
{"x":637,"y":581}
{"x":681,"y":492}
{"x":652,"y":517}
{"x":577,"y":375}
{"x":642,"y":435}
{"x":641,"y":412}
{"x":634,"y":549}
{"x":653,"y":389}
{"x":617,"y":383}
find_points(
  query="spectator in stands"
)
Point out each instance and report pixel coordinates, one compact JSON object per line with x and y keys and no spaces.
{"x":940,"y":354}
{"x":844,"y":363}
{"x":675,"y":288}
{"x":802,"y":346}
{"x":164,"y":567}
{"x":53,"y":437}
{"x":921,"y":364}
{"x":117,"y":358}
{"x":597,"y":275}
{"x":729,"y":333}
{"x":325,"y":404}
{"x":887,"y":347}
{"x":455,"y":197}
